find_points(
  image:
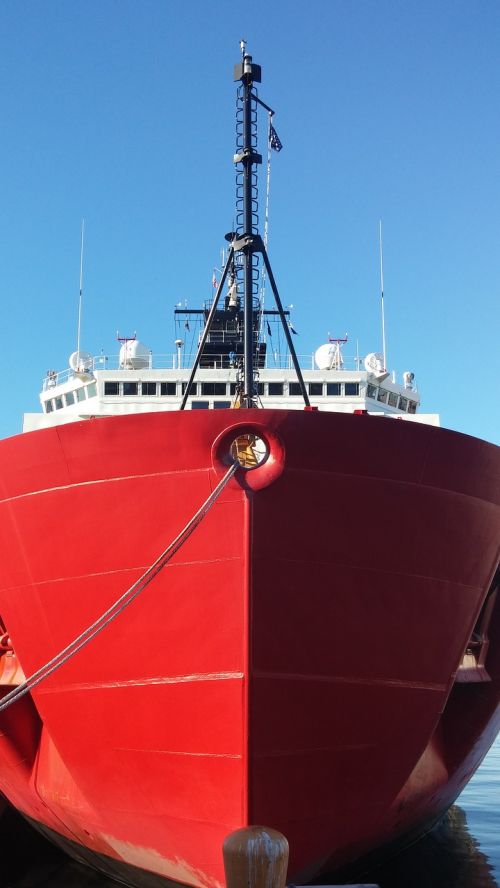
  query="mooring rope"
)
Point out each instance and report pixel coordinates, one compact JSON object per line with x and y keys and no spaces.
{"x":121,"y":603}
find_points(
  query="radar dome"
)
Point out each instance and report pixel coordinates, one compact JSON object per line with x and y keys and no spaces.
{"x":81,"y":361}
{"x":374,"y":363}
{"x":329,"y":356}
{"x":134,"y":355}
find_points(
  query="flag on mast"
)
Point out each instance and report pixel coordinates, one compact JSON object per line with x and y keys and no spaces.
{"x":274,"y":139}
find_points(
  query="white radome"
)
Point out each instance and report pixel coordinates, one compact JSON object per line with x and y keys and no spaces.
{"x":325,"y":355}
{"x":134,"y":355}
{"x":374,"y":363}
{"x":80,"y":361}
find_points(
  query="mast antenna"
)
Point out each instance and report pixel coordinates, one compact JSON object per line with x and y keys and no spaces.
{"x":382,"y":293}
{"x":246,"y":244}
{"x":80,"y":293}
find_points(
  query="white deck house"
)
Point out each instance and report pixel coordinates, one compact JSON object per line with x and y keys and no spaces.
{"x":136,"y":382}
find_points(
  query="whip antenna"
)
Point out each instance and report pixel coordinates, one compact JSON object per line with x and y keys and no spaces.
{"x":80,"y":294}
{"x":382,"y":293}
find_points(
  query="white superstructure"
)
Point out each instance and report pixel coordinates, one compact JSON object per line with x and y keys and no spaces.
{"x":137,"y":382}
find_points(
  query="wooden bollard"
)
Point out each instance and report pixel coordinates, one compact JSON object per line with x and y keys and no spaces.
{"x":255,"y":857}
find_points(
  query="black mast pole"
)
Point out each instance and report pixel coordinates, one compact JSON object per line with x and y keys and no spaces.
{"x":249,"y":393}
{"x":246,"y":240}
{"x":248,"y":73}
{"x":249,"y":242}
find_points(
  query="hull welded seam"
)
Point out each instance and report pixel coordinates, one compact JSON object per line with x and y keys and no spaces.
{"x":75,"y":484}
{"x":145,"y":682}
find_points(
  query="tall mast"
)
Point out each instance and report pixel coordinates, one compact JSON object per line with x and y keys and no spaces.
{"x":248,"y":73}
{"x":246,"y":242}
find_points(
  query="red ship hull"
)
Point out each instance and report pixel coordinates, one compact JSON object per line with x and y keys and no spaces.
{"x":300,"y":661}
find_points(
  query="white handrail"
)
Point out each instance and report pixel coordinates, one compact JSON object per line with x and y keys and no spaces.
{"x":273,"y":361}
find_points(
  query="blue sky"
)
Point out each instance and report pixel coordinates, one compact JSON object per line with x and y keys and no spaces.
{"x":123,"y":113}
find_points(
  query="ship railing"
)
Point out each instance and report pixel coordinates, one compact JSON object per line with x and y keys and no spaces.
{"x":180,"y":361}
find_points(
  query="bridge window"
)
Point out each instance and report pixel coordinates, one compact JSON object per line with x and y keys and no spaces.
{"x":193,"y":390}
{"x":48,"y":406}
{"x":382,"y":395}
{"x":70,"y":398}
{"x":110,"y":388}
{"x":403,"y":403}
{"x":80,"y":394}
{"x":129,"y":388}
{"x":91,"y":390}
{"x":333,"y":388}
{"x":393,"y":399}
{"x":351,"y":388}
{"x":316,"y":388}
{"x":412,"y":407}
{"x":148,"y":388}
{"x":371,"y":391}
{"x":58,"y":402}
{"x":275,"y":388}
{"x":169,"y":388}
{"x":199,"y":405}
{"x":213,"y":388}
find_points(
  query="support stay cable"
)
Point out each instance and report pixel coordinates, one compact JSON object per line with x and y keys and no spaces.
{"x":123,"y":602}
